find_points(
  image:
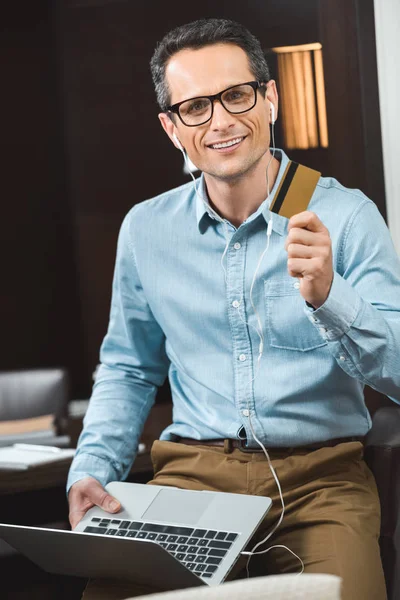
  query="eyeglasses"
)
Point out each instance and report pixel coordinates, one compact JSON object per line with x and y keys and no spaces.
{"x":236,"y":99}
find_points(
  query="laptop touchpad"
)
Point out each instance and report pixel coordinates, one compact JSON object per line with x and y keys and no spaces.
{"x":177,"y":506}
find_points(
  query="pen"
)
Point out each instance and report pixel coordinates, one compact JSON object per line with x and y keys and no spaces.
{"x":37,"y":448}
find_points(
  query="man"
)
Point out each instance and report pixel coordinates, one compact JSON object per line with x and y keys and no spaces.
{"x":327,"y":296}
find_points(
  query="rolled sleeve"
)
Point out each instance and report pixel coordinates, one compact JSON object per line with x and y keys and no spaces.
{"x":88,"y":465}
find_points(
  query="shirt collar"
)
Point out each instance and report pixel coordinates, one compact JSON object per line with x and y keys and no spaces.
{"x":279,"y":223}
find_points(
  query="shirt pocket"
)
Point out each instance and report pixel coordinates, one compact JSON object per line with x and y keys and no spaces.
{"x":287,"y":324}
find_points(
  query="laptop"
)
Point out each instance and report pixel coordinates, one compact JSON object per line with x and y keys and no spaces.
{"x":164,"y":537}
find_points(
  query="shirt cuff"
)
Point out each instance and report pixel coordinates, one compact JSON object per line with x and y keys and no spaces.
{"x":335,"y":317}
{"x":88,"y":465}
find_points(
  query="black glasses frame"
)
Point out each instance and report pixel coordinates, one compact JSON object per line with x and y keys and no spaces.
{"x":174,"y":108}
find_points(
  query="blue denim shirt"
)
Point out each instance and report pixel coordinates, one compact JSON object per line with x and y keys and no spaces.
{"x":173,"y":313}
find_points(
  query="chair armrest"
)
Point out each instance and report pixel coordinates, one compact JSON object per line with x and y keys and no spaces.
{"x":382,"y":454}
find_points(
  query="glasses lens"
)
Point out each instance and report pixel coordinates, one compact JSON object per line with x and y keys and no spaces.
{"x":196,"y":111}
{"x":239,"y":98}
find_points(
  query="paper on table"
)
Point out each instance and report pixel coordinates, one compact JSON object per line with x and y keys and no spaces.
{"x":18,"y":459}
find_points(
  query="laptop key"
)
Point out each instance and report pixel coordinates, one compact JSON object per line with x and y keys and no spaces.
{"x":190,"y":557}
{"x":210,"y":535}
{"x":180,"y":555}
{"x":216,"y":552}
{"x":203,"y":542}
{"x":122,"y":532}
{"x":200,"y":559}
{"x":203,"y":551}
{"x":123,"y":524}
{"x":183,"y":548}
{"x":161,"y":537}
{"x":179,"y":530}
{"x":96,"y":519}
{"x":199,"y":533}
{"x":221,"y":535}
{"x":151,"y":536}
{"x":111,"y":531}
{"x":100,"y":530}
{"x":131,"y":534}
{"x":205,"y":574}
{"x":105,"y":521}
{"x":192,"y":549}
{"x":172,"y":538}
{"x":221,"y":545}
{"x":213,"y":560}
{"x":211,"y":569}
{"x":135,"y":525}
{"x":231,"y":537}
{"x":182,"y":539}
{"x":142,"y":535}
{"x":115,"y":521}
{"x":163,"y":544}
{"x":192,"y":541}
{"x":172,"y":547}
{"x":201,"y":568}
{"x":191,"y":566}
{"x":155,"y":527}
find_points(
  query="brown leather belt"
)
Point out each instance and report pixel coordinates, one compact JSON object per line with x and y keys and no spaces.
{"x":231,"y":444}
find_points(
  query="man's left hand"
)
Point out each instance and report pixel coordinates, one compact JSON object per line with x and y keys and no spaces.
{"x":309,"y":249}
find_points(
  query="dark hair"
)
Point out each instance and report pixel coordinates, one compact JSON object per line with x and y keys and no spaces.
{"x":195,"y":35}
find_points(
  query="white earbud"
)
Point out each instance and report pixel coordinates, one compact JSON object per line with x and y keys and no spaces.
{"x":272,"y":113}
{"x":181,"y":148}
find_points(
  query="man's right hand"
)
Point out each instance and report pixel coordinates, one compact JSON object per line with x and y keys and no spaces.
{"x":84,"y":494}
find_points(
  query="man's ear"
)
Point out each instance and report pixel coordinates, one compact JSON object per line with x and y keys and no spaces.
{"x":168,"y":127}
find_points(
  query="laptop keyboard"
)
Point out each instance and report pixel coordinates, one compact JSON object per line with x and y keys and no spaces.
{"x":200,"y":550}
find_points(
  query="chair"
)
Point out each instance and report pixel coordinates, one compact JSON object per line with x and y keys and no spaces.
{"x":273,"y":587}
{"x":382,"y":454}
{"x":33,"y":406}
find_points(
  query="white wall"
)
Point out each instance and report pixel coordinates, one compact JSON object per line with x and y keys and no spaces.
{"x":387,"y":26}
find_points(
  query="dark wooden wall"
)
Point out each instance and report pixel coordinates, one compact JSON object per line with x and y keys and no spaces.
{"x":39,"y":300}
{"x":84,"y":145}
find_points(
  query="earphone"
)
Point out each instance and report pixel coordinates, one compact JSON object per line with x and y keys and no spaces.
{"x":259,"y":332}
{"x":272,"y":113}
{"x":181,"y":148}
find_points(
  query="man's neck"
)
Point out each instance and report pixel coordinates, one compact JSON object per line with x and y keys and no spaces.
{"x":237,"y":200}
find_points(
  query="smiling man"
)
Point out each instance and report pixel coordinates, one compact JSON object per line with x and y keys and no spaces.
{"x":230,"y":148}
{"x":268,"y":328}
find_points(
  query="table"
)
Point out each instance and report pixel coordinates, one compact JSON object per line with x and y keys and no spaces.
{"x":37,"y":495}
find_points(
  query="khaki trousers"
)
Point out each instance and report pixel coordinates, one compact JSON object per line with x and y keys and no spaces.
{"x":332,"y":511}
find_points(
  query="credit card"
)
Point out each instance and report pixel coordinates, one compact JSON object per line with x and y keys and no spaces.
{"x":295,"y":190}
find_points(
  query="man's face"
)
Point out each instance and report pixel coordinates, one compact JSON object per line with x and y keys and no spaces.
{"x":207,"y":71}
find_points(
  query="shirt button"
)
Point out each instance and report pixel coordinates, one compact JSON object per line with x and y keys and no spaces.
{"x":245,"y":412}
{"x":242,"y":357}
{"x":342,"y":357}
{"x":237,"y":246}
{"x":296,"y":285}
{"x":236,"y":304}
{"x":315,"y":319}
